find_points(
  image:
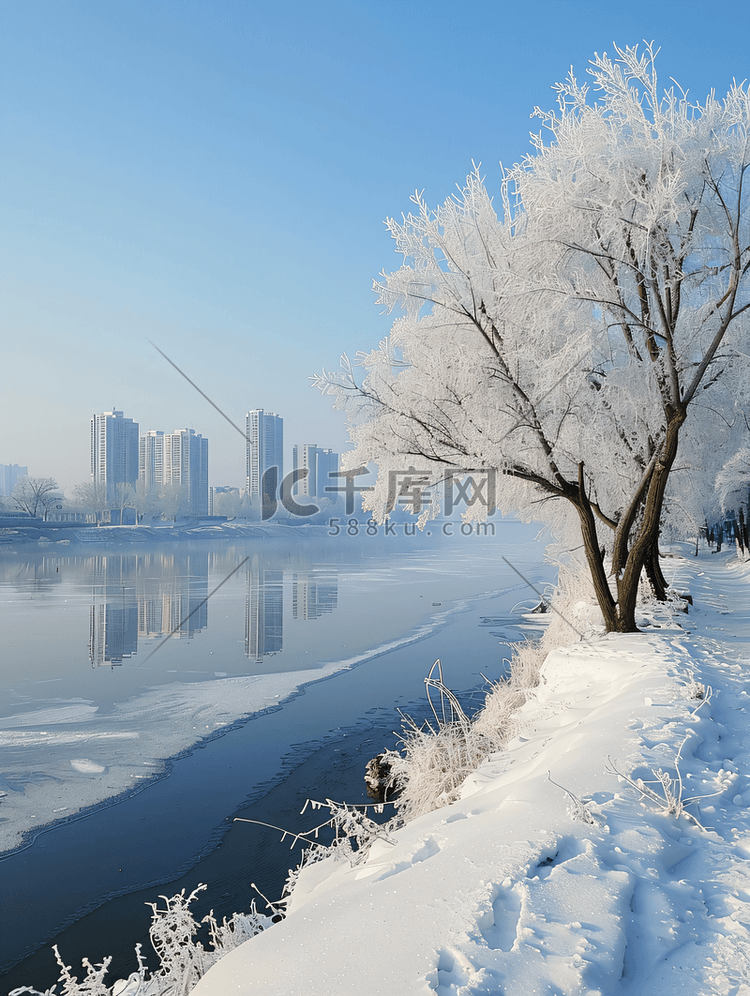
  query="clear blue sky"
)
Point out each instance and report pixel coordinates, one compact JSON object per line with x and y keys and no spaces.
{"x":214,"y":176}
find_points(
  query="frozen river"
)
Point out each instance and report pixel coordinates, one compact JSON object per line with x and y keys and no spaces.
{"x":118,"y":664}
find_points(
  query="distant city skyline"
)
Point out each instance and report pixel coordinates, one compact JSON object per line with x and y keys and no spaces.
{"x":120,"y":452}
{"x":122,"y":455}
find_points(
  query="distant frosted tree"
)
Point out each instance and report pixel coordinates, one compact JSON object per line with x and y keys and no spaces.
{"x":36,"y":495}
{"x":228,"y":502}
{"x":733,"y":493}
{"x":91,"y":497}
{"x":733,"y":482}
{"x":715,"y":430}
{"x":123,"y":496}
{"x":561,"y":343}
{"x":172,"y":499}
{"x":144,"y":500}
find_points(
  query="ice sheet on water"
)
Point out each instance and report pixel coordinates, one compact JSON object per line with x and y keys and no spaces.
{"x":129,"y":743}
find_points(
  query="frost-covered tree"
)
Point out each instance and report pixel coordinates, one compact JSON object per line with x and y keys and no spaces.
{"x":144,"y":500}
{"x":94,"y":497}
{"x":122,"y":498}
{"x":733,"y":482}
{"x":733,"y":494}
{"x":90,"y":497}
{"x":560,"y":344}
{"x":36,"y":495}
{"x":172,"y":500}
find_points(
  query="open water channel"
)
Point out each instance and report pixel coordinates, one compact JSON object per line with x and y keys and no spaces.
{"x":149,"y":696}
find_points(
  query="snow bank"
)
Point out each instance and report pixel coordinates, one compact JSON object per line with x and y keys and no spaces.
{"x":553,"y":873}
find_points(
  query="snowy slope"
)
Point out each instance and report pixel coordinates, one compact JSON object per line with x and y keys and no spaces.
{"x":510,"y":890}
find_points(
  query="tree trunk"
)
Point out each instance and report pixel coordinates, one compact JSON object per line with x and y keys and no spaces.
{"x":593,"y":553}
{"x":740,"y":531}
{"x":647,"y":537}
{"x":637,"y":546}
{"x":654,"y":573}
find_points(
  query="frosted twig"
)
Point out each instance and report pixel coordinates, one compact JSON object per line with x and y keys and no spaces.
{"x":670,"y":801}
{"x":705,"y":697}
{"x":582,"y":809}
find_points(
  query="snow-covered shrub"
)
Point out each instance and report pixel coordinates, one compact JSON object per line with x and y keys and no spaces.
{"x":92,"y":985}
{"x":354,"y":830}
{"x":182,"y":959}
{"x":310,"y":856}
{"x":669,"y":796}
{"x":434,"y":762}
{"x":583,"y":810}
{"x":435,"y":759}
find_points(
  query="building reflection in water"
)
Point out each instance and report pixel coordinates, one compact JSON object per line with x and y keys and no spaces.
{"x":172,"y":596}
{"x":152,"y":595}
{"x":114,"y":612}
{"x":313,"y":594}
{"x":147,"y":596}
{"x":264,"y":614}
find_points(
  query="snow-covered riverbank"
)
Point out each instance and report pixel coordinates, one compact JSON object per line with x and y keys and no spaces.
{"x":553,"y":873}
{"x":337,"y":675}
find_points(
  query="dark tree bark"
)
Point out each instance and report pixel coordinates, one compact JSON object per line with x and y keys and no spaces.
{"x":654,"y":574}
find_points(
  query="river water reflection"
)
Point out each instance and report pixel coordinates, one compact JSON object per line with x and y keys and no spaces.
{"x":115,"y":661}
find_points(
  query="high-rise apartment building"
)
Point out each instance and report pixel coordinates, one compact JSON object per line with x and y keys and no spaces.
{"x":151,"y":459}
{"x":264,"y":433}
{"x":9,"y":474}
{"x":186,"y":465}
{"x":321,"y":466}
{"x":176,"y":458}
{"x":114,"y":451}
